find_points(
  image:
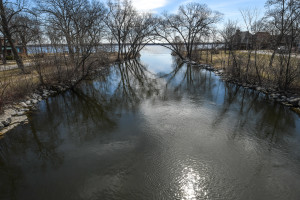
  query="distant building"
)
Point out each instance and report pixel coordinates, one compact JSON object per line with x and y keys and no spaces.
{"x":5,"y":45}
{"x":262,"y":40}
{"x":287,"y":41}
{"x":242,"y":40}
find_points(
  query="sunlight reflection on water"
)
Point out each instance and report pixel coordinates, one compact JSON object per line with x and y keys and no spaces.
{"x":193,"y":184}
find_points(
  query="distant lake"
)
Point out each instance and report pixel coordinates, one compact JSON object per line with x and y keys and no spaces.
{"x":111,"y":48}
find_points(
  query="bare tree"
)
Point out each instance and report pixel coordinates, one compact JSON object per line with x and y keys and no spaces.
{"x":284,"y":16}
{"x":191,"y":23}
{"x":130,"y":29}
{"x":251,"y":18}
{"x":78,"y":24}
{"x":140,"y":33}
{"x":26,"y":29}
{"x":277,"y":30}
{"x":8,"y":10}
{"x":228,"y":33}
{"x":3,"y":49}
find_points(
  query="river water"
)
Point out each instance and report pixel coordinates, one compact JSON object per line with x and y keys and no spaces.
{"x":154,"y":129}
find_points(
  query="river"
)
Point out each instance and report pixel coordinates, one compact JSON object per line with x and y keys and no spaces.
{"x":154,"y":129}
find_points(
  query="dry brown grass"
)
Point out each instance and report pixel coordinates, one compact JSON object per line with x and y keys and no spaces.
{"x":269,"y":75}
{"x":15,"y":85}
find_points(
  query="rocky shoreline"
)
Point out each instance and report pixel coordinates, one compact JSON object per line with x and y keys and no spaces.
{"x":16,"y":113}
{"x":286,"y":98}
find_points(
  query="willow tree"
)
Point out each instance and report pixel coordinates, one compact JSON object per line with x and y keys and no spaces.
{"x":189,"y":25}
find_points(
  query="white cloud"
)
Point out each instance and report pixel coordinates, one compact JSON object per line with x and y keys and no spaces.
{"x":148,"y":5}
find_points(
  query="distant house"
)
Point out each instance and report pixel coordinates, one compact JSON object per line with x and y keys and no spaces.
{"x":286,"y":42}
{"x":242,"y":40}
{"x":245,"y":40}
{"x":5,"y":45}
{"x":262,"y":40}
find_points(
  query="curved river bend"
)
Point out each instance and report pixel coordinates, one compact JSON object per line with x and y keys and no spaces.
{"x":154,"y":129}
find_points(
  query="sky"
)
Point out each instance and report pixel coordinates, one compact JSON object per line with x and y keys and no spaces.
{"x":230,"y":8}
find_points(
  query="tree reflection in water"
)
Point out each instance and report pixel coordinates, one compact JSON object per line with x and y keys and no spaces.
{"x":97,"y":107}
{"x":270,"y":119}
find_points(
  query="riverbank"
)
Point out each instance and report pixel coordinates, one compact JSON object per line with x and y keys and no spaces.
{"x":286,"y":98}
{"x":255,"y":67}
{"x":22,"y":92}
{"x":16,"y":113}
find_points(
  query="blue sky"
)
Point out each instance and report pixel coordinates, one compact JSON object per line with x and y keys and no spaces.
{"x":230,"y":8}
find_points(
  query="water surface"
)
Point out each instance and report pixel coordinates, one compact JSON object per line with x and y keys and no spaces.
{"x":154,"y":129}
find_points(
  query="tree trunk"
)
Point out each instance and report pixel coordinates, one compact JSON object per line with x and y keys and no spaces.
{"x":4,"y":50}
{"x":247,"y":66}
{"x":9,"y":37}
{"x":24,"y":45}
{"x":2,"y":53}
{"x":256,"y":67}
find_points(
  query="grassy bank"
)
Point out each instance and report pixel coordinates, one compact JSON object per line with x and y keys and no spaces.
{"x":254,"y":68}
{"x":44,"y":71}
